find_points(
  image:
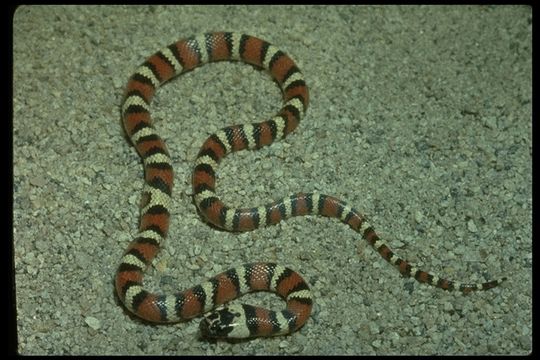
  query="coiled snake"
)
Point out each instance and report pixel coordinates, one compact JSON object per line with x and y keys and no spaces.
{"x":229,"y":321}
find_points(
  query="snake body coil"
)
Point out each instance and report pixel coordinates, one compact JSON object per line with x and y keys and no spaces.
{"x":228,"y":321}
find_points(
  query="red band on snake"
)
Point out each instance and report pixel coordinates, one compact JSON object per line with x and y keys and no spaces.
{"x":229,"y":321}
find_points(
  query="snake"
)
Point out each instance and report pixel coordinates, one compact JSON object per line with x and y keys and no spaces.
{"x":222,"y":319}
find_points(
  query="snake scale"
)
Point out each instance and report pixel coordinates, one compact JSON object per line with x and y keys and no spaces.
{"x":229,"y":320}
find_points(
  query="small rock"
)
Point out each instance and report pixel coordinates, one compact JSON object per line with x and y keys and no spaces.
{"x":93,"y":322}
{"x":471,"y":226}
{"x":37,"y":181}
{"x":418,"y":217}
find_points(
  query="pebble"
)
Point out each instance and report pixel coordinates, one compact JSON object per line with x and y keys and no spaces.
{"x":93,"y":322}
{"x":471,"y":226}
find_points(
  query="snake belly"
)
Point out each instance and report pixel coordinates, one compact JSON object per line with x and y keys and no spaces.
{"x":223,"y":320}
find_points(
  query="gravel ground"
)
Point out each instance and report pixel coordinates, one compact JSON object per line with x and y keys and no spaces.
{"x":420,"y":117}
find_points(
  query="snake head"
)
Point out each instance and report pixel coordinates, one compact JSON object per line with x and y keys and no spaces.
{"x":225,"y":322}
